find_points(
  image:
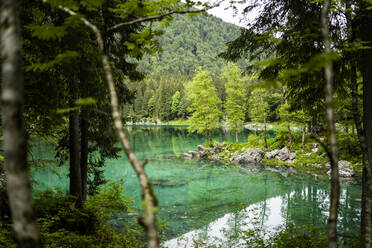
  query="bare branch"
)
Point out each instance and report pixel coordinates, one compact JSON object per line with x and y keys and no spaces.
{"x":153,"y":18}
{"x":161,"y":16}
{"x":148,"y":197}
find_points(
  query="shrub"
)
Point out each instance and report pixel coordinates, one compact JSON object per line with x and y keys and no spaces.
{"x":64,"y":225}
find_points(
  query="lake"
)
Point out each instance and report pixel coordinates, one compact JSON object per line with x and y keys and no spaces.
{"x":199,"y":198}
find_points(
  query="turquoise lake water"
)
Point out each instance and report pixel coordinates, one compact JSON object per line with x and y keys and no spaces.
{"x":203,"y":196}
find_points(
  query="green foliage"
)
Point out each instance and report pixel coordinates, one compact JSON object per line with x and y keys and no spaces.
{"x":64,"y":225}
{"x":205,"y":104}
{"x":6,"y":237}
{"x":289,"y":237}
{"x":176,"y":98}
{"x":281,"y":139}
{"x":188,"y":43}
{"x":294,"y":237}
{"x":236,"y":97}
{"x":258,"y":105}
{"x":349,"y":148}
{"x":254,"y":141}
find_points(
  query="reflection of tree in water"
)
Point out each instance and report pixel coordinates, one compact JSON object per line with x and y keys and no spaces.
{"x":306,"y":203}
{"x":349,"y":211}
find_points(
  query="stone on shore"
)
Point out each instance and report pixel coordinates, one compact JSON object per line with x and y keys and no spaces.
{"x":283,"y":154}
{"x":271,"y":154}
{"x":249,"y":156}
{"x":344,"y":167}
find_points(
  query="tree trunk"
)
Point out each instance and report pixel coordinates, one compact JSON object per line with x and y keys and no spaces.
{"x":289,"y":134}
{"x":14,"y":138}
{"x":303,"y":138}
{"x":236,"y":136}
{"x":75,"y":170}
{"x":84,"y":155}
{"x":357,"y":118}
{"x":265,"y":132}
{"x":209,"y":135}
{"x":149,"y":200}
{"x":367,"y":119}
{"x":335,"y":184}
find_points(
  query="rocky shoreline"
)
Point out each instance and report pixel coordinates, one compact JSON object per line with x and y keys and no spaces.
{"x":285,"y":160}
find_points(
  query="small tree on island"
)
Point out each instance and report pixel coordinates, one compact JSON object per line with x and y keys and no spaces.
{"x":236,"y":98}
{"x":259,"y":108}
{"x":205,"y":104}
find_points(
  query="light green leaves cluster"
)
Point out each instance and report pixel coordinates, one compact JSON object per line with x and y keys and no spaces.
{"x":258,"y":105}
{"x":236,"y":96}
{"x":205,"y":104}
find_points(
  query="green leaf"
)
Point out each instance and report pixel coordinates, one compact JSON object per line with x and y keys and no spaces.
{"x":86,"y":101}
{"x":92,"y":5}
{"x":66,"y":110}
{"x":47,"y":31}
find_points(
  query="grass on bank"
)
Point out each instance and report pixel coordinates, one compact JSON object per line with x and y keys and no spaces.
{"x":309,"y":160}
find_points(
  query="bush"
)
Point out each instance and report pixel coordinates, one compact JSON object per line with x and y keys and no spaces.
{"x":349,"y":147}
{"x":64,"y":225}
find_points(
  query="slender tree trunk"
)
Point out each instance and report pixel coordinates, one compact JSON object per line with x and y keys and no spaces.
{"x":149,"y":200}
{"x":209,"y":135}
{"x":84,"y":155}
{"x":335,"y":184}
{"x":367,"y":119}
{"x":289,"y":134}
{"x":75,"y":170}
{"x":303,"y":138}
{"x":14,"y":138}
{"x":265,"y":132}
{"x":236,"y":136}
{"x":357,"y":118}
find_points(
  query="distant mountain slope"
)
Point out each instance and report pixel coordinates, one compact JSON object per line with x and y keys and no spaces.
{"x":190,"y":42}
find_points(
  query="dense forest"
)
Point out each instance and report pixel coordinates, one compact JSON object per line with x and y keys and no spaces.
{"x":282,"y":102}
{"x":169,"y":71}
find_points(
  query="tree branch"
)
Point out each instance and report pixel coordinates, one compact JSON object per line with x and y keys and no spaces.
{"x":148,"y":197}
{"x":152,"y":18}
{"x":161,"y":16}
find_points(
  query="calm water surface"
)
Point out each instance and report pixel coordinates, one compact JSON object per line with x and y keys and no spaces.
{"x":201,"y":198}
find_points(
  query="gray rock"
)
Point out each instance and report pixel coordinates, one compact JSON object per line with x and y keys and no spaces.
{"x":344,"y":167}
{"x":271,"y":154}
{"x":201,"y":148}
{"x":191,"y":154}
{"x":249,"y":156}
{"x":344,"y":164}
{"x":292,"y":156}
{"x":283,"y":154}
{"x":315,"y":149}
{"x":216,"y":157}
{"x":203,"y":155}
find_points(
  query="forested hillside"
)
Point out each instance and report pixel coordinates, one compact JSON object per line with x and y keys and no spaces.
{"x":188,"y":43}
